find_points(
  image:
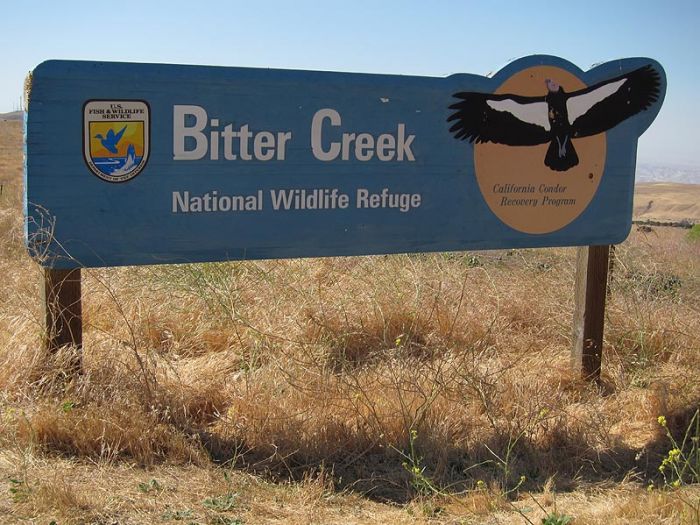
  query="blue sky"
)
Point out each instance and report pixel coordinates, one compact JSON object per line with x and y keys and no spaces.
{"x":434,"y":38}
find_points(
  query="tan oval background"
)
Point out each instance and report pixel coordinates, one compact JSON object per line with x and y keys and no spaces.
{"x":498,"y":165}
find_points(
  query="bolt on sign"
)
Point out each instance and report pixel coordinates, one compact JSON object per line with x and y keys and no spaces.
{"x":148,"y":163}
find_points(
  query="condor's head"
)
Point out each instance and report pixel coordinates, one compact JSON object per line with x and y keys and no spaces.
{"x":552,"y":86}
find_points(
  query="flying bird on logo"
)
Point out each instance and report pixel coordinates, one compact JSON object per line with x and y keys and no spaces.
{"x":557,"y":117}
{"x":111,"y":140}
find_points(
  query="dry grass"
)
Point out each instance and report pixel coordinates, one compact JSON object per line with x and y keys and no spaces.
{"x":303,"y":382}
{"x":667,"y":202}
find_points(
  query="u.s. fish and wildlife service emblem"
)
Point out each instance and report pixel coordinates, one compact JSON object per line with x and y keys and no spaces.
{"x":116,"y":137}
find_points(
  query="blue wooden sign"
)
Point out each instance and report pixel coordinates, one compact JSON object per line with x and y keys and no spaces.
{"x":147,"y":164}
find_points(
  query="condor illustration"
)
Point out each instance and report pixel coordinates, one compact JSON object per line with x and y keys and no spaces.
{"x":556,"y":117}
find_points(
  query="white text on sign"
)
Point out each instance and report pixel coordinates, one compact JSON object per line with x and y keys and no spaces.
{"x":196,"y":136}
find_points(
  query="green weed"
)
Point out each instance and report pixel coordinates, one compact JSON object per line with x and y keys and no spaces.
{"x":556,"y":519}
{"x":681,"y":465}
{"x":221,"y":503}
{"x":178,"y":515}
{"x":151,"y":486}
{"x":694,"y":233}
{"x":504,"y":462}
{"x":550,"y":518}
{"x":223,"y":520}
{"x":18,"y":490}
{"x":413,"y":464}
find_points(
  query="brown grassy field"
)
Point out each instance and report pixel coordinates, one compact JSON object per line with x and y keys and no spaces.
{"x":401,"y":389}
{"x":663,"y":201}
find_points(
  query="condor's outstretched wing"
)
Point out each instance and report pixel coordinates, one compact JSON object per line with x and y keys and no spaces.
{"x":504,"y":119}
{"x":604,"y":105}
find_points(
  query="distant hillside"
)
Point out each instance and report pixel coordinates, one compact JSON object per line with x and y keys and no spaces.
{"x":15,"y":115}
{"x":667,"y":173}
{"x":663,"y":201}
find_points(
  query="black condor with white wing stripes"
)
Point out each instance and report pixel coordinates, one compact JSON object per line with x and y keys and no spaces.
{"x":556,"y":117}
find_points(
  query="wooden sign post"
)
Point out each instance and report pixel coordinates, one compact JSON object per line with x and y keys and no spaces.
{"x":589,"y":310}
{"x":63,"y":313}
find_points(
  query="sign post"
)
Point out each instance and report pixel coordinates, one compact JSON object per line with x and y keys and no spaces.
{"x":589,"y":310}
{"x":63,"y":313}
